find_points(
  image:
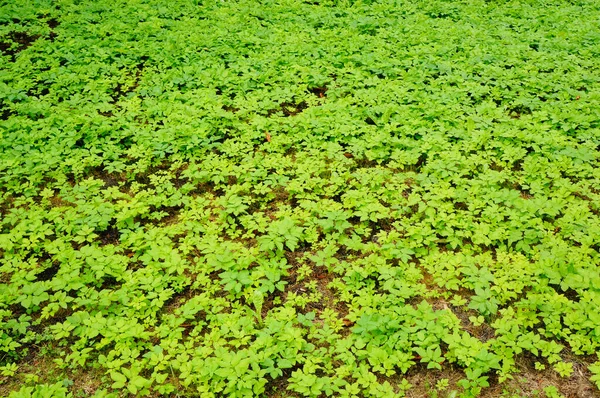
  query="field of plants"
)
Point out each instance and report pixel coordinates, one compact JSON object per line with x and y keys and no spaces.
{"x":284,"y":198}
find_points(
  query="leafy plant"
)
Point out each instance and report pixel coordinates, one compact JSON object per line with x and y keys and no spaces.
{"x":315,"y":198}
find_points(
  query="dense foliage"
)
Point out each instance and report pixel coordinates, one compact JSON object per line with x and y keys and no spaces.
{"x":285,"y":198}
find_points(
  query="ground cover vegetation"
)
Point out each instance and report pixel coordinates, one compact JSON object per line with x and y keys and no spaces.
{"x":307,"y":199}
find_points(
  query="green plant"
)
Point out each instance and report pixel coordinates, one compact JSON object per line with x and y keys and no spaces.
{"x":247,"y":198}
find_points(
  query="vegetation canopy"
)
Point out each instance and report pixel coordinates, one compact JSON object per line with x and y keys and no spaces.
{"x":280,"y":198}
